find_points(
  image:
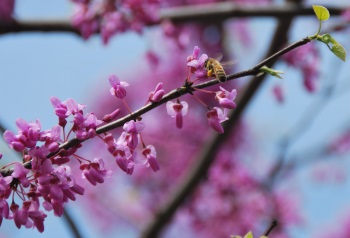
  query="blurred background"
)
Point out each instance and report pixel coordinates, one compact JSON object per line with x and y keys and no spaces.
{"x":286,"y":158}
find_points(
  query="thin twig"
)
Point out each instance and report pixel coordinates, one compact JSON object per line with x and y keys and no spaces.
{"x":71,"y":224}
{"x":270,"y":228}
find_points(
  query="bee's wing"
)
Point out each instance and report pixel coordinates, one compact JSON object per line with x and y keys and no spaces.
{"x":229,"y":64}
{"x":219,"y":56}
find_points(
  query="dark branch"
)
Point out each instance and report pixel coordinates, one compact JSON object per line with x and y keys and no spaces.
{"x":175,"y":94}
{"x":205,"y":158}
{"x":270,"y":228}
{"x":71,"y":224}
{"x":219,"y":12}
{"x":209,"y":13}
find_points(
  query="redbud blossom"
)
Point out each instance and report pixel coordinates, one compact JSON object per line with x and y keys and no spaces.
{"x":110,"y":117}
{"x":60,"y":110}
{"x":195,"y":54}
{"x":126,"y":164}
{"x":28,"y":135}
{"x":95,"y":172}
{"x":51,"y":138}
{"x":20,"y":173}
{"x":73,"y":107}
{"x":278,"y":93}
{"x":85,"y":20}
{"x":150,"y":153}
{"x":130,"y":136}
{"x":215,"y":117}
{"x":124,"y":158}
{"x":177,"y":110}
{"x":6,"y":10}
{"x":197,"y":64}
{"x":118,"y":87}
{"x":346,"y":14}
{"x":157,"y":94}
{"x":152,"y":58}
{"x":310,"y":73}
{"x":111,"y":24}
{"x":226,"y":98}
{"x":341,"y":144}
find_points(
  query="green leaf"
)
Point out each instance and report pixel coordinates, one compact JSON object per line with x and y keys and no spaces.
{"x":339,"y":51}
{"x":334,"y":46}
{"x":249,"y":235}
{"x":327,"y":38}
{"x":270,"y":71}
{"x":321,"y":12}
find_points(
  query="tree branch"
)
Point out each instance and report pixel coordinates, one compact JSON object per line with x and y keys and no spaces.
{"x":177,"y":93}
{"x":205,"y":158}
{"x":208,"y":13}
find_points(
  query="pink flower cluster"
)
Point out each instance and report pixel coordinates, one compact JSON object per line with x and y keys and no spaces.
{"x":6,"y":10}
{"x":112,"y":17}
{"x":41,"y":177}
{"x":215,"y":115}
{"x":307,"y":60}
{"x":45,"y":178}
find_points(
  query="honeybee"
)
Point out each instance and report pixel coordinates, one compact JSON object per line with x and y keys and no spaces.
{"x":214,"y":67}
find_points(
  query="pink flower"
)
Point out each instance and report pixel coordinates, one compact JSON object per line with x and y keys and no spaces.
{"x":86,"y":20}
{"x":112,"y":23}
{"x":56,"y":186}
{"x":126,"y":164}
{"x":341,"y":144}
{"x":346,"y":14}
{"x":20,"y":173}
{"x":95,"y":172}
{"x":28,"y":135}
{"x":307,"y":60}
{"x":130,"y":136}
{"x":197,"y":65}
{"x":226,"y":98}
{"x":91,"y":123}
{"x":124,"y":158}
{"x":152,"y":58}
{"x":51,"y":138}
{"x":195,"y":54}
{"x":4,"y":210}
{"x":278,"y":93}
{"x":73,"y":107}
{"x":215,"y":117}
{"x":150,"y":153}
{"x":118,"y":87}
{"x":157,"y":94}
{"x":6,"y":10}
{"x":177,"y":110}
{"x":20,"y":216}
{"x":110,"y":117}
{"x":60,"y":110}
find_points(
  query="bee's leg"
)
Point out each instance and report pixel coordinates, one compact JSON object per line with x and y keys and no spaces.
{"x":210,"y":73}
